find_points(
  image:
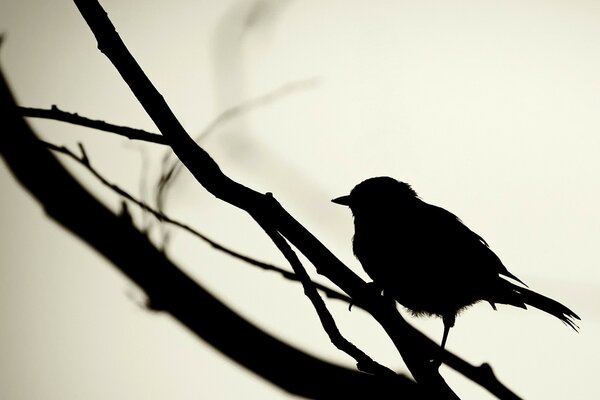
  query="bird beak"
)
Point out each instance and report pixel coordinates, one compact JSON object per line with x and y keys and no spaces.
{"x":344,"y":200}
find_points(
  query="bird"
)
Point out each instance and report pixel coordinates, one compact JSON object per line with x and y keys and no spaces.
{"x":428,"y":260}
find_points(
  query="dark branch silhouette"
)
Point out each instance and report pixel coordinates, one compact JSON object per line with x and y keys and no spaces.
{"x":260,"y":207}
{"x":171,"y":168}
{"x":413,"y":346}
{"x":364,"y":362}
{"x":55,"y":114}
{"x":481,"y":374}
{"x":161,"y":216}
{"x":168,"y":288}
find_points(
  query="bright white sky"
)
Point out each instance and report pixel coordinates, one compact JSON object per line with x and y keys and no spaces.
{"x":489,"y":109}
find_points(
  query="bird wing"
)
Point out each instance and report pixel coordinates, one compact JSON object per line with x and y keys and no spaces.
{"x":456,"y":234}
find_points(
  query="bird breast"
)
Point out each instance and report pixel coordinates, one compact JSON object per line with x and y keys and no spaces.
{"x":408,"y":263}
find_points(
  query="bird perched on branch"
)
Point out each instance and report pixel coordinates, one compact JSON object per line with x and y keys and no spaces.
{"x":426,"y":259}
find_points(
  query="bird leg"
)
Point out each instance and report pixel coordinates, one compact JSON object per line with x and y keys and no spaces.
{"x":448,"y":323}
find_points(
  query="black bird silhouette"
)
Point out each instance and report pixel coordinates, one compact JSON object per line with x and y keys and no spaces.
{"x":426,"y":259}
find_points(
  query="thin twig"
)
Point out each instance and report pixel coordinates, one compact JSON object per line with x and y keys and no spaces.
{"x":364,"y":362}
{"x":73,"y":118}
{"x":170,"y":172}
{"x":161,"y":216}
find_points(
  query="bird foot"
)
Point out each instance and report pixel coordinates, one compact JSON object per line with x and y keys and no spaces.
{"x":436,"y":362}
{"x":370,"y":290}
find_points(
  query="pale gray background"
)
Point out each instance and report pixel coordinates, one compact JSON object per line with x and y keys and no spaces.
{"x":489,"y":109}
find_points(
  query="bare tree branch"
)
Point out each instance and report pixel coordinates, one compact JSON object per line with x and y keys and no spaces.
{"x":364,"y":362}
{"x":415,"y":351}
{"x":482,"y":373}
{"x":414,"y":348}
{"x":55,"y":114}
{"x":161,"y":216}
{"x":171,"y":171}
{"x":168,"y":288}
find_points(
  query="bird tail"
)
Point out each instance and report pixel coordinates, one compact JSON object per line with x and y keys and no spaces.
{"x":548,"y":305}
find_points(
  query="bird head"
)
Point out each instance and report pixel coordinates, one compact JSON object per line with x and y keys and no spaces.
{"x":377,"y":192}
